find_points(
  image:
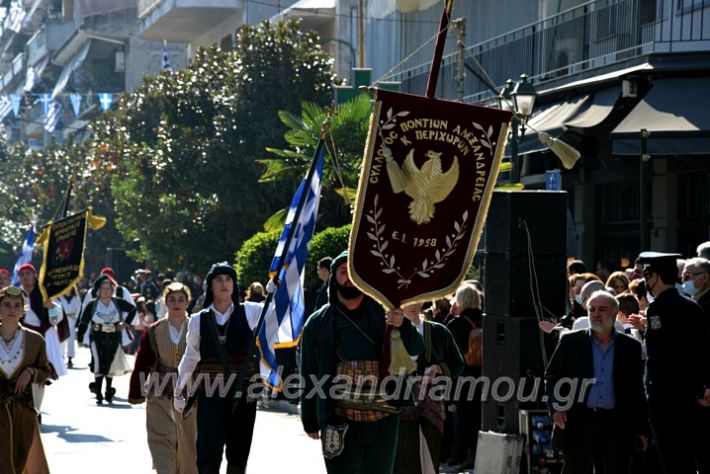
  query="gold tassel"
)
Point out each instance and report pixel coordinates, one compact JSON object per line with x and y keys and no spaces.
{"x":566,"y":153}
{"x":400,"y":360}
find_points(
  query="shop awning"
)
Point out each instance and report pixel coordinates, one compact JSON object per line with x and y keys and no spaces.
{"x":599,"y":108}
{"x":312,"y":12}
{"x":550,"y":118}
{"x":74,"y":64}
{"x":33,"y":74}
{"x":675,"y":113}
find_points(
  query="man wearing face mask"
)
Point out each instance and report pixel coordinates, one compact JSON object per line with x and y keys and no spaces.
{"x":696,"y":283}
{"x":677,"y":370}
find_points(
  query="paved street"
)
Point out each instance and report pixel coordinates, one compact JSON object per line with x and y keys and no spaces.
{"x":80,"y":437}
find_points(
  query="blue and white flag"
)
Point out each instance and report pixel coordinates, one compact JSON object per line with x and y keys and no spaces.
{"x":5,"y":107}
{"x":25,"y":255}
{"x":105,"y":99}
{"x":75,"y":99}
{"x":45,"y":99}
{"x":54,"y":114}
{"x":17,"y":16}
{"x":166,"y":59}
{"x":15,"y":100}
{"x":286,"y":315}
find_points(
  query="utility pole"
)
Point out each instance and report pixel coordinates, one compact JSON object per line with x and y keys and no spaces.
{"x":361,"y":32}
{"x":459,"y":26}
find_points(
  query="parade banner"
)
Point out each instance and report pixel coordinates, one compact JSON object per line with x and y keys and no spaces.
{"x":64,"y":243}
{"x":428,"y":172}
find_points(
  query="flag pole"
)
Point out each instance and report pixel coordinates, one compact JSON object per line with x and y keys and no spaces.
{"x":439,"y":50}
{"x":287,"y":244}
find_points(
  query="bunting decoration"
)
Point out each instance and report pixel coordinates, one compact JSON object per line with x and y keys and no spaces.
{"x":15,"y":100}
{"x":75,"y":103}
{"x":105,"y":99}
{"x":166,"y":59}
{"x":5,"y":107}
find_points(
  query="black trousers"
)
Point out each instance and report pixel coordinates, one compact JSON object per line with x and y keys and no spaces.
{"x":218,"y":426}
{"x":675,"y":428}
{"x":597,"y":440}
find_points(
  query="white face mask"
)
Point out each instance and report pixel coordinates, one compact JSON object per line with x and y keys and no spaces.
{"x":679,"y":287}
{"x":578,"y":299}
{"x":689,"y":287}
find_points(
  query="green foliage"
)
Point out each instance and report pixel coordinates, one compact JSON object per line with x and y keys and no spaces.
{"x":253,"y":259}
{"x":345,"y":145}
{"x":328,"y":243}
{"x":184,"y":146}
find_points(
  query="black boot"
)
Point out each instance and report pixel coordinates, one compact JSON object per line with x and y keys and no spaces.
{"x":110,"y":391}
{"x":95,"y":387}
{"x":234,"y":469}
{"x":70,"y":364}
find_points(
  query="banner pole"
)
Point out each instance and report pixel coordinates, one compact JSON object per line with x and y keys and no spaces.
{"x":439,"y":50}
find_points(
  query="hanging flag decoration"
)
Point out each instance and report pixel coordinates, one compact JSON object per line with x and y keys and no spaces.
{"x":25,"y":255}
{"x":15,"y":100}
{"x":5,"y":107}
{"x":166,"y":59}
{"x":17,"y":16}
{"x":75,"y":103}
{"x":429,"y":171}
{"x":105,"y":99}
{"x":30,"y":80}
{"x":64,"y":242}
{"x":51,"y":120}
{"x":45,"y":99}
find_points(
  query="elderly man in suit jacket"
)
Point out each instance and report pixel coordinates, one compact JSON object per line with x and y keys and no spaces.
{"x":594,"y":385}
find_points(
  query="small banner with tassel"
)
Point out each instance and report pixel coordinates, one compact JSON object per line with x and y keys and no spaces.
{"x":64,"y":243}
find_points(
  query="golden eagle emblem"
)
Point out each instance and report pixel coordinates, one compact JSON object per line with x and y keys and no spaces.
{"x":426,"y":186}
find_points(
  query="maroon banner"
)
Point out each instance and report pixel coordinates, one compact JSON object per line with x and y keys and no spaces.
{"x":428,"y":172}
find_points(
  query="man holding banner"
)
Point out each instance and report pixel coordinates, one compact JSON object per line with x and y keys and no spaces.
{"x":345,"y":340}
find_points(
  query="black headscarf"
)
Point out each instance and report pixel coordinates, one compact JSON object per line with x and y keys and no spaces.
{"x":220,"y":268}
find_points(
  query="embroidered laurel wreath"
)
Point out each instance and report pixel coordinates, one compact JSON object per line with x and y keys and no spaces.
{"x":387,"y":260}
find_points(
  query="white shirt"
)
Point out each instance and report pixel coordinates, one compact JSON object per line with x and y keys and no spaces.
{"x":106,"y":314}
{"x":192,"y":350}
{"x":126,"y":297}
{"x":175,"y":334}
{"x":71,"y":308}
{"x":11,"y":357}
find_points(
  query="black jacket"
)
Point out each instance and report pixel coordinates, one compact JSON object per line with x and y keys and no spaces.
{"x":573,"y":360}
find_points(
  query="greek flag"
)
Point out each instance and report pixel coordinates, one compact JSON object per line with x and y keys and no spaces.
{"x":166,"y":59}
{"x":17,"y":16}
{"x":5,"y":107}
{"x":25,"y":255}
{"x":54,"y":114}
{"x":285,"y":317}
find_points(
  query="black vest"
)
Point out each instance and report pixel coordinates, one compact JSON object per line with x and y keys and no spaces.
{"x":239,"y":335}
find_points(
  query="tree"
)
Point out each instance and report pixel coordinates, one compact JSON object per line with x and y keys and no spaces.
{"x":345,"y":145}
{"x":184,"y":146}
{"x":253,"y":259}
{"x":329,"y":242}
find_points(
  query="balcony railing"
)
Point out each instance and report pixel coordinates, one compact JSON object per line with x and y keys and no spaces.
{"x":592,"y":35}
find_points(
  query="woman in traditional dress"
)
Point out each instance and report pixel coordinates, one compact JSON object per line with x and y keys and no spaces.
{"x":23,"y":361}
{"x":171,"y":438}
{"x":106,"y":317}
{"x":441,"y":357}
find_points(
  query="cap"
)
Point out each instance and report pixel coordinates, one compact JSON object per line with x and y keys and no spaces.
{"x":108,"y":271}
{"x":27,"y":266}
{"x":659,"y":262}
{"x":220,"y":268}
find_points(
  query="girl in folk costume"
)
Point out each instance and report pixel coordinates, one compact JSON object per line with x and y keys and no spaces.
{"x":23,"y":361}
{"x":46,"y":318}
{"x":425,"y":421}
{"x":104,"y":320}
{"x":71,"y":304}
{"x":171,"y":438}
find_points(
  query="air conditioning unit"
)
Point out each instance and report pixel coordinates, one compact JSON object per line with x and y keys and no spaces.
{"x":629,"y":88}
{"x":119,"y":61}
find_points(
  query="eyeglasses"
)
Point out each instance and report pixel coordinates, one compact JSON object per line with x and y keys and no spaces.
{"x":691,"y":275}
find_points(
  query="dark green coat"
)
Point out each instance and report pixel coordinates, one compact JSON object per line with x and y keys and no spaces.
{"x":440,"y":348}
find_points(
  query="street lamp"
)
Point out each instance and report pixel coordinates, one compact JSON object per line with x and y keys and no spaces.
{"x":518,"y":98}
